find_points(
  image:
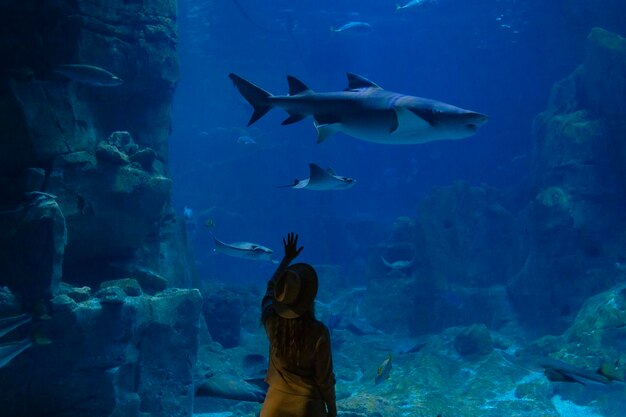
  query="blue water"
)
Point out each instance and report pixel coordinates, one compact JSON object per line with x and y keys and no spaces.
{"x":496,"y":57}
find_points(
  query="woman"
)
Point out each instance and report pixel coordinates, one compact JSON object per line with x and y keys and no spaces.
{"x":300,"y":372}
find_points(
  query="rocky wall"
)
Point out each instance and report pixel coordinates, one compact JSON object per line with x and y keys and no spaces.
{"x":576,"y":214}
{"x":101,"y":151}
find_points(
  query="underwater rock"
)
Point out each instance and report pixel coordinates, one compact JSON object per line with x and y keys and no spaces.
{"x":150,"y":281}
{"x":62,"y":303}
{"x":469,"y":236}
{"x":32,"y":248}
{"x":474,"y":340}
{"x":576,"y":223}
{"x":118,"y":203}
{"x":34,"y":179}
{"x":57,"y":125}
{"x":130,"y":286}
{"x":145,"y":158}
{"x":78,"y":294}
{"x":135,"y":360}
{"x":109,"y":153}
{"x":112,"y":295}
{"x":223,"y":309}
{"x":599,"y":329}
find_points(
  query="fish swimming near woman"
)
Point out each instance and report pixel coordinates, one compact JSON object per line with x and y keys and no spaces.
{"x":245,"y":250}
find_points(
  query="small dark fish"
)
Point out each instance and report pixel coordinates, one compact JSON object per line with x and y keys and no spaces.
{"x":383,"y":371}
{"x":89,"y":75}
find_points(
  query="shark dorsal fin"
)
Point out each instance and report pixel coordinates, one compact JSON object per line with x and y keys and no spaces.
{"x":296,"y":86}
{"x":356,"y":82}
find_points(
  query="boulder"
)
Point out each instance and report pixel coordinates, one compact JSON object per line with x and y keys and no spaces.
{"x":134,"y":359}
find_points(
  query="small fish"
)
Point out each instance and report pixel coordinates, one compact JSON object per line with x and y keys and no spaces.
{"x":246,"y":140}
{"x":209,"y":223}
{"x":353,"y":27}
{"x":402,"y":264}
{"x":383,"y":371}
{"x":246,"y":250}
{"x":414,"y":3}
{"x":89,"y":75}
{"x":8,"y":324}
{"x":187,"y":213}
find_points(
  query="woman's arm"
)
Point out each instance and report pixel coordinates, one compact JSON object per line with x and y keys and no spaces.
{"x":291,"y":252}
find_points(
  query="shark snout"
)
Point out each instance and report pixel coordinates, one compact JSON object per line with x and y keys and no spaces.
{"x":475,"y":120}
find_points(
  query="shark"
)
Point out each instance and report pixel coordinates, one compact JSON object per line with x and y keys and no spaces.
{"x":246,"y":250}
{"x":401,"y":264}
{"x":364,"y":111}
{"x":322,"y":180}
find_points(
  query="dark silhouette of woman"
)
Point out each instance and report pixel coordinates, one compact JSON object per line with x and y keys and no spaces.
{"x":300,"y":372}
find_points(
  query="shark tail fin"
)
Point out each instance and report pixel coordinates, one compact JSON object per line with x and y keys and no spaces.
{"x":256,"y":96}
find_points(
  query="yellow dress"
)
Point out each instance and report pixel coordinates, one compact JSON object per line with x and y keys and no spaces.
{"x":305,"y":390}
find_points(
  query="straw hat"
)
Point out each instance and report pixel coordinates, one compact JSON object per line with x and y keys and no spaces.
{"x":295,"y":291}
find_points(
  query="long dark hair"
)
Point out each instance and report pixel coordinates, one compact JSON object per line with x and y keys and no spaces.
{"x":288,"y":336}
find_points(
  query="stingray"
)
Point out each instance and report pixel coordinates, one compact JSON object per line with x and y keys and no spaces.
{"x":322,"y":180}
{"x":246,"y":250}
{"x":230,"y":387}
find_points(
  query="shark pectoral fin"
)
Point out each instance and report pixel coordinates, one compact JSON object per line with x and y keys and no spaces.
{"x":324,"y":131}
{"x":408,"y":121}
{"x":293,"y":118}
